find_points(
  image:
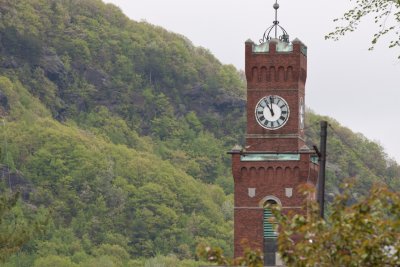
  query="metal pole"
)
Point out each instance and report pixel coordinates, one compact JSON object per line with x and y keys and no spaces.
{"x":276,"y":6}
{"x":321,"y":178}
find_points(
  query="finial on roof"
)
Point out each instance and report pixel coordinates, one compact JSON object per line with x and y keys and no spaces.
{"x":275,"y":26}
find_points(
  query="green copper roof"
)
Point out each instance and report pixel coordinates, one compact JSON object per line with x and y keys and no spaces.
{"x":261,"y":48}
{"x":284,"y":47}
{"x":315,"y":159}
{"x":280,"y":46}
{"x":269,"y":157}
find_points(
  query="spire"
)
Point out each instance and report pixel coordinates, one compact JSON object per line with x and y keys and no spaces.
{"x":275,"y":26}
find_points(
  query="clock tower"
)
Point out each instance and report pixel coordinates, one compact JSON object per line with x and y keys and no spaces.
{"x":275,"y":160}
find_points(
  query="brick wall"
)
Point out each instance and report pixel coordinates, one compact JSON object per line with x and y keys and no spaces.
{"x":276,"y":73}
{"x":271,"y":73}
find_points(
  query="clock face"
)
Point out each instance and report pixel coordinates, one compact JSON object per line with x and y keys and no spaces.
{"x":272,"y":112}
{"x":301,"y":113}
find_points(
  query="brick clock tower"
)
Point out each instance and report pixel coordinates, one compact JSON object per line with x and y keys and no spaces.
{"x":275,"y":159}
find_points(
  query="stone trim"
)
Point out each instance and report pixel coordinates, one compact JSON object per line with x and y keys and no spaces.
{"x":261,"y":208}
{"x":275,"y":136}
{"x":272,"y":90}
{"x":261,"y":203}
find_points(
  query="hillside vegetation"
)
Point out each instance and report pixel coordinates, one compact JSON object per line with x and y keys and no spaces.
{"x":118,"y":131}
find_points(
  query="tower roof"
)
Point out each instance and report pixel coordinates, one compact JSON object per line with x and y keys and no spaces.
{"x":272,"y":31}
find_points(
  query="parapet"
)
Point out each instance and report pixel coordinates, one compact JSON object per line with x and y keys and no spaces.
{"x":275,"y":45}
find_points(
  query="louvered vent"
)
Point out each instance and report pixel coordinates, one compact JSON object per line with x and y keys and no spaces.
{"x":269,"y":225}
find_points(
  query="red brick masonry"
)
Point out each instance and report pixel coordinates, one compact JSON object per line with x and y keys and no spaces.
{"x":271,"y":73}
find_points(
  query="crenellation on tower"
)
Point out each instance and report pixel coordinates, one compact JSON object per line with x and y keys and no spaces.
{"x":275,"y":58}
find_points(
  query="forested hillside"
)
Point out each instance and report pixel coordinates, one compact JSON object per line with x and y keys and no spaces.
{"x":118,"y":131}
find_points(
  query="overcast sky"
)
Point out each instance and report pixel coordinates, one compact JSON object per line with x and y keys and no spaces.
{"x":357,"y":87}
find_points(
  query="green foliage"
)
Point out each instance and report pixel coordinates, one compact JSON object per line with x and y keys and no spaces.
{"x":27,"y":45}
{"x":353,"y":156}
{"x":22,"y":103}
{"x":108,"y":200}
{"x":250,"y":258}
{"x":53,"y":260}
{"x":365,"y":233}
{"x":105,"y":124}
{"x":361,"y":233}
{"x":16,"y":227}
{"x":166,"y":261}
{"x":120,"y":128}
{"x":97,"y":57}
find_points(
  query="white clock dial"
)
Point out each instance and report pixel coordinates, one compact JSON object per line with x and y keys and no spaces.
{"x":272,"y":112}
{"x":301,"y":113}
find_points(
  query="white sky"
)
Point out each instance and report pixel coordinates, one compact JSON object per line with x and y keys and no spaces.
{"x":357,"y":87}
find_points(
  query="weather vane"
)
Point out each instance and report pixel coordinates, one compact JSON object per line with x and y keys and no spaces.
{"x":275,"y":26}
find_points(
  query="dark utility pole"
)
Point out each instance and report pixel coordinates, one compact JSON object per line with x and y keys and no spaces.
{"x":322,"y":159}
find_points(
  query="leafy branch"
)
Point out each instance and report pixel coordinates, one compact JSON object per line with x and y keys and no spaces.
{"x":386,"y":14}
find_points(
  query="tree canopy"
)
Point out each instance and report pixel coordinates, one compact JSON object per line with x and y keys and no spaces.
{"x":361,"y":233}
{"x":365,"y":232}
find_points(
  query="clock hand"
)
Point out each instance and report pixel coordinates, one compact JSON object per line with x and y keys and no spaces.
{"x":267,"y":106}
{"x":271,"y":109}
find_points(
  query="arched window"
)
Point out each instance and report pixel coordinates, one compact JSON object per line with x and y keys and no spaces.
{"x":271,"y":256}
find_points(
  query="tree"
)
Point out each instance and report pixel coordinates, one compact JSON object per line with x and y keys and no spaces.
{"x":386,"y":14}
{"x":215,"y":255}
{"x":8,"y":244}
{"x":365,"y":233}
{"x":15,"y":229}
